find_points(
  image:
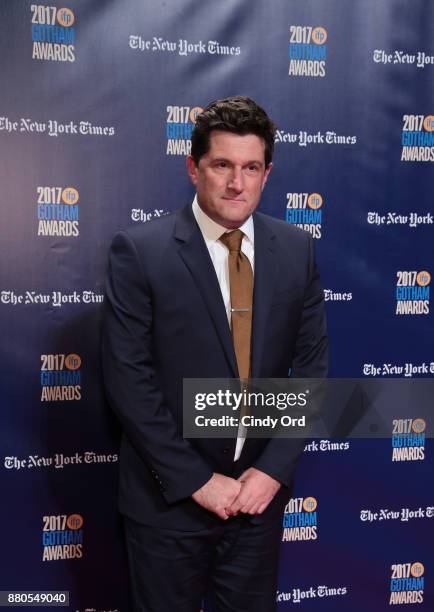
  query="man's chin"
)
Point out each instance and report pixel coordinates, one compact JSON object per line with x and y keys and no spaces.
{"x":233,"y":222}
{"x":233,"y":217}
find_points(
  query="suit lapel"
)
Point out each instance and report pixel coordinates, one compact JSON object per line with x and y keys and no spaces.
{"x":265,"y":278}
{"x":194,"y":253}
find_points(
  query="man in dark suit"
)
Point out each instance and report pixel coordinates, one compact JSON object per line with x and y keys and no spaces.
{"x":214,"y":290}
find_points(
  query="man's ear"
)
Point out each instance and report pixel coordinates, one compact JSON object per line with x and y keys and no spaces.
{"x":266,"y":173}
{"x":191,"y":169}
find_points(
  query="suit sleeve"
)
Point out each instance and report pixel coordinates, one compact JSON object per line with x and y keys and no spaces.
{"x":129,"y":376}
{"x":280,"y":457}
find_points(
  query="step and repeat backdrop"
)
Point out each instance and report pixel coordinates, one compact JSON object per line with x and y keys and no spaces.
{"x":97,"y":103}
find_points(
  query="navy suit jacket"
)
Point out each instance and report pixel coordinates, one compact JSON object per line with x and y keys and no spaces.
{"x":165,"y":320}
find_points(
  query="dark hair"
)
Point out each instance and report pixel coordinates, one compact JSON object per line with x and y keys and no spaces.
{"x":239,"y":115}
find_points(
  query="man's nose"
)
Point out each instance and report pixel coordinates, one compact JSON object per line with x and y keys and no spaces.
{"x":236,"y":181}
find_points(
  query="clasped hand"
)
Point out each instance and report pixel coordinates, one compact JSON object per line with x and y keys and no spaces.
{"x":226,"y":497}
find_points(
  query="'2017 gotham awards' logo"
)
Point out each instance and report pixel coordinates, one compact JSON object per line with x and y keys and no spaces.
{"x":60,"y":377}
{"x":407,"y":583}
{"x":52,"y":33}
{"x":412,"y":292}
{"x":417,"y":138}
{"x":408,"y":440}
{"x":62,"y":537}
{"x":57,"y":210}
{"x":179,"y":126}
{"x":307,"y":51}
{"x":304,"y":211}
{"x":300,"y":519}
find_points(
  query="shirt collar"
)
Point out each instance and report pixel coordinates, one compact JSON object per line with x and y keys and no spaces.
{"x":212,"y":231}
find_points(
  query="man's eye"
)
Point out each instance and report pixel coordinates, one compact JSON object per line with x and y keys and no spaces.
{"x":253,"y":168}
{"x":222,"y":165}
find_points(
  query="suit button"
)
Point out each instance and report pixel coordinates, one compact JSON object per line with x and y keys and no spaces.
{"x":226,"y":450}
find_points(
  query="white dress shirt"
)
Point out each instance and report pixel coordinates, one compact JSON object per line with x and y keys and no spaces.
{"x":219,"y":253}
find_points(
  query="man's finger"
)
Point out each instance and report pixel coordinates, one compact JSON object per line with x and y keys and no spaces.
{"x":230,"y":512}
{"x":221,"y":512}
{"x":233,"y":510}
{"x":261,"y":508}
{"x":239,"y":501}
{"x":249,"y":502}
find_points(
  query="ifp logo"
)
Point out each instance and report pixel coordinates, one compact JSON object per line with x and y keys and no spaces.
{"x":319,"y":35}
{"x":428,"y":123}
{"x":74,"y":521}
{"x":72,"y":361}
{"x":423,"y":278}
{"x":65,"y":17}
{"x":310,"y":504}
{"x":418,"y":426}
{"x":70,"y":196}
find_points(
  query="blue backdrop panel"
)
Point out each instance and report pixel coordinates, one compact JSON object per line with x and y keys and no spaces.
{"x":97,"y":104}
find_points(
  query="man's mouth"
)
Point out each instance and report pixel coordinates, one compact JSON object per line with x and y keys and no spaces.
{"x":233,"y":199}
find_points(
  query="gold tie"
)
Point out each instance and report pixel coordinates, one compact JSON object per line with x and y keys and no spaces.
{"x":241,"y":289}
